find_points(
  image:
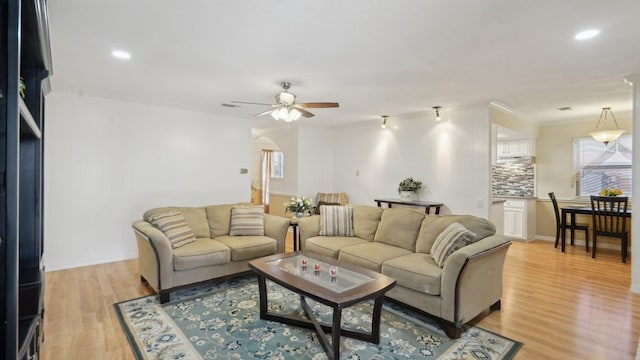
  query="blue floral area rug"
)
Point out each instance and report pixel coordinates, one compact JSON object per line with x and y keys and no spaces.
{"x":222,"y":321}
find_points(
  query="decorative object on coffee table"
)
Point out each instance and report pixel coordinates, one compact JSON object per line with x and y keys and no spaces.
{"x":409,"y":188}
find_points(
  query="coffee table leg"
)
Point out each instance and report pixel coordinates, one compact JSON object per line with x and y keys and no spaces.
{"x":375,"y":320}
{"x":262,"y":289}
{"x":335,"y":332}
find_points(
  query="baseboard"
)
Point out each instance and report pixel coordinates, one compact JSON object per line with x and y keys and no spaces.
{"x":580,"y":242}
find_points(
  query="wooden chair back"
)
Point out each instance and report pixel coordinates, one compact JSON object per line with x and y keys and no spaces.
{"x":609,"y":215}
{"x":552,"y":195}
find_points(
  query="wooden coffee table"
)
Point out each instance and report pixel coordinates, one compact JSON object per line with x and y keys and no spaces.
{"x":351,"y":285}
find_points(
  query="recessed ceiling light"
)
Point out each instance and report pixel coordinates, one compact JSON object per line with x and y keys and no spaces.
{"x":587,"y":34}
{"x":121,"y":54}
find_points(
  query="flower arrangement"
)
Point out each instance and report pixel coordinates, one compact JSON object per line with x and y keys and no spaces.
{"x":610,"y":192}
{"x":409,"y":184}
{"x":299,"y":205}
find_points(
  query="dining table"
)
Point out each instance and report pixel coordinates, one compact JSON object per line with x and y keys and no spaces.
{"x":572,"y":211}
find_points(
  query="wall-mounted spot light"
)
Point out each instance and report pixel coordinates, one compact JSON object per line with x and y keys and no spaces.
{"x":384,"y":121}
{"x":437,"y":109}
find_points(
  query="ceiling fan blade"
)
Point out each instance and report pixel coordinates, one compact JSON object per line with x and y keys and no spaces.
{"x":304,"y":112}
{"x":264,"y":112}
{"x":315,"y":105}
{"x":252,"y":103}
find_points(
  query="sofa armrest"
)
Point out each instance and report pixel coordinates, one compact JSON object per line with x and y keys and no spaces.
{"x":309,"y":227}
{"x":472,"y":279}
{"x":276,"y":227}
{"x":155,"y":255}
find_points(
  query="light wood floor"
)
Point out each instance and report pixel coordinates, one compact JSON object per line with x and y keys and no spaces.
{"x":561,"y":306}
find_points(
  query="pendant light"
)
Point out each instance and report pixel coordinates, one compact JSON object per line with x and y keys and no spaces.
{"x":605,"y":136}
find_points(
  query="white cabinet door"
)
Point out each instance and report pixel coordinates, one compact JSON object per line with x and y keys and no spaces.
{"x":513,"y":220}
{"x":502,"y":148}
{"x":521,"y":147}
{"x":517,"y":147}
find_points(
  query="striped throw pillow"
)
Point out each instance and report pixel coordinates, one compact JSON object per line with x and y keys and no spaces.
{"x":336,"y":221}
{"x":247,"y":221}
{"x":174,"y":226}
{"x":454,"y":237}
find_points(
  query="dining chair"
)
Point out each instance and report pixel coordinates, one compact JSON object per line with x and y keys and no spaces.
{"x":559,"y":227}
{"x":609,"y":219}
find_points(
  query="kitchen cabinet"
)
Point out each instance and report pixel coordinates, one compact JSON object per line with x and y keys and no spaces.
{"x":519,"y":219}
{"x":515,"y":147}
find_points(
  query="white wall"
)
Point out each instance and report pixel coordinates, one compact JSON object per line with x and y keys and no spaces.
{"x":450,"y":157}
{"x":107,"y":162}
{"x":635,"y":217}
{"x":315,"y":161}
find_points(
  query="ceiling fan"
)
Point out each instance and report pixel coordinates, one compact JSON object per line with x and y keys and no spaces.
{"x":286,"y":107}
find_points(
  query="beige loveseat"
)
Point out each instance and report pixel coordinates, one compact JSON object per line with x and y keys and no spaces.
{"x":213,"y":254}
{"x":397,"y":242}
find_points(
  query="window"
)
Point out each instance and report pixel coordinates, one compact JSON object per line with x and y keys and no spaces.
{"x":600,"y":166}
{"x":277,"y":165}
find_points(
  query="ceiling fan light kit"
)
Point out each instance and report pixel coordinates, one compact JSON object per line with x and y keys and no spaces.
{"x":606,"y":136}
{"x":287,"y":109}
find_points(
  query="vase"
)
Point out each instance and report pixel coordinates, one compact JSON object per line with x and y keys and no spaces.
{"x":299,"y":215}
{"x":407,"y":195}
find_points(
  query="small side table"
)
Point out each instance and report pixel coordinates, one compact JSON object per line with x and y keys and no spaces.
{"x":296,"y":239}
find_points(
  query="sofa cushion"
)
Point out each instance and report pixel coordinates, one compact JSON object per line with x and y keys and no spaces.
{"x":201,"y":252}
{"x":174,"y":226}
{"x":219,"y":219}
{"x":366,"y":220}
{"x":432,"y":226}
{"x":454,"y":237}
{"x":336,"y":221}
{"x":248,"y":247}
{"x":370,"y":255}
{"x":399,"y":227}
{"x":415,"y":271}
{"x":247,"y":221}
{"x":330,"y":245}
{"x":316,"y":210}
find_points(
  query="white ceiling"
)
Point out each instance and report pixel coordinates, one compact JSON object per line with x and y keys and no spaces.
{"x":374,"y":57}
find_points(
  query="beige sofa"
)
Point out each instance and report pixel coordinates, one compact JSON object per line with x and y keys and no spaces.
{"x":214,"y":253}
{"x":397,"y":242}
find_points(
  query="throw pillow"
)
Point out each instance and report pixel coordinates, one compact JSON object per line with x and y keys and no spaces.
{"x":320,"y":203}
{"x":174,"y":226}
{"x":336,"y":221}
{"x":454,"y":237}
{"x":247,"y":221}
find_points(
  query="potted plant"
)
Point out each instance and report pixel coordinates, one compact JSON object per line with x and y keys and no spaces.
{"x":409,"y":188}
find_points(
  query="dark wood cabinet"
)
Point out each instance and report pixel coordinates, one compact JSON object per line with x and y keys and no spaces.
{"x":25,"y":56}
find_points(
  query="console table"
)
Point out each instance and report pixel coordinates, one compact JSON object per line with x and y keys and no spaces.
{"x":427,"y":205}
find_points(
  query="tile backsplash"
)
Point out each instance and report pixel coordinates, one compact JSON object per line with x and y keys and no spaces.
{"x":513,"y":179}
